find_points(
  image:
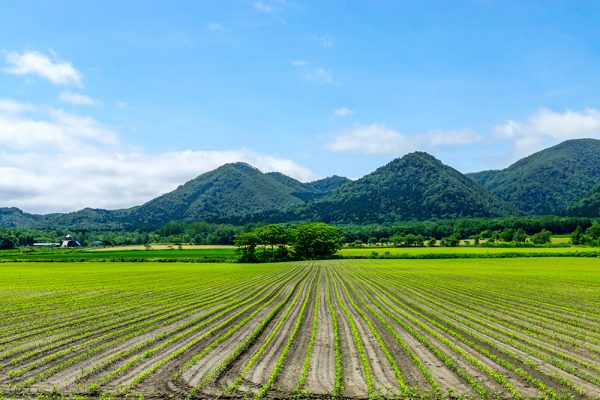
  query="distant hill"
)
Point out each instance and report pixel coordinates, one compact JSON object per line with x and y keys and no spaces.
{"x":416,"y":186}
{"x":232,"y":190}
{"x":15,"y":218}
{"x":549,"y":181}
{"x":588,"y":206}
{"x":311,"y":190}
{"x":328,"y":184}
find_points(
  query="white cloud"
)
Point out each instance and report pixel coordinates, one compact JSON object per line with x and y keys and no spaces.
{"x":215,"y":26}
{"x":31,"y":62}
{"x":380,"y":139}
{"x":55,"y":161}
{"x":52,"y":130}
{"x":121,"y":104}
{"x":546,"y":128}
{"x":504,"y":143}
{"x":77,"y":99}
{"x":343,"y":112}
{"x":8,"y":106}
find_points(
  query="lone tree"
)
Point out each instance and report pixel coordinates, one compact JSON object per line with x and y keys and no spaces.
{"x":246,"y":244}
{"x":315,"y":240}
{"x":542,"y":237}
{"x":278,"y":243}
{"x":577,"y":237}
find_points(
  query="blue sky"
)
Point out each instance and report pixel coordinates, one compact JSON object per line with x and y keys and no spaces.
{"x":110,"y":103}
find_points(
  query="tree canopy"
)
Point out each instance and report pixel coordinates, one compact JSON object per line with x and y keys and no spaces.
{"x":278,"y":243}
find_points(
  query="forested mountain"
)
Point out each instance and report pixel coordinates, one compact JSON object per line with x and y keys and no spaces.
{"x":328,"y":184}
{"x":589,"y":206}
{"x":549,"y":181}
{"x":293,"y":184}
{"x":232,"y":190}
{"x":14,"y":217}
{"x":416,"y":186}
{"x":311,"y":190}
{"x":558,"y":180}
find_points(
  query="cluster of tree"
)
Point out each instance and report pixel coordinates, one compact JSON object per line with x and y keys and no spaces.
{"x":510,"y":235}
{"x":11,"y":238}
{"x":410,"y":234}
{"x":465,"y":228}
{"x":591,"y":235}
{"x":279,"y":243}
{"x":199,"y":232}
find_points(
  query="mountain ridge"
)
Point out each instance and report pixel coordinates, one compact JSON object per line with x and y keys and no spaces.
{"x":415,"y":186}
{"x":549,"y":181}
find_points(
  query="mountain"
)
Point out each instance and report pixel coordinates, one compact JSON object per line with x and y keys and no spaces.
{"x":230,"y":191}
{"x":16,"y":218}
{"x":293,"y":184}
{"x":297,"y":189}
{"x":558,"y":180}
{"x":311,"y":190}
{"x":588,"y":206}
{"x":328,"y":184}
{"x":549,"y":181}
{"x":416,"y":186}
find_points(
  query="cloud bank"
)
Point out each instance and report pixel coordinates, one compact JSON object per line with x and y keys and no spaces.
{"x":52,"y":160}
{"x":381,"y":139}
{"x":546,"y":127}
{"x":516,"y":139}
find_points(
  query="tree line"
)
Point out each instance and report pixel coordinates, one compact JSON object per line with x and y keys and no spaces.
{"x":445,"y":232}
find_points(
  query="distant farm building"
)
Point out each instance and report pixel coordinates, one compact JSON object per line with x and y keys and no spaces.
{"x":68,"y":241}
{"x":96,"y":243}
{"x":47,"y":245}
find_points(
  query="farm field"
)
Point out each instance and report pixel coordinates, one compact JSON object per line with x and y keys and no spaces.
{"x":123,"y":254}
{"x":464,"y":250}
{"x":167,"y":246}
{"x":201,"y":253}
{"x":511,"y":328}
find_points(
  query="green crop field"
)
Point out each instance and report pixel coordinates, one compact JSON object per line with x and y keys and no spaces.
{"x":466,"y":250}
{"x":228,"y":253}
{"x":220,"y":254}
{"x":482,"y":328}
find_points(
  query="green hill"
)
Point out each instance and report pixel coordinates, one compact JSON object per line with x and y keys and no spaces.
{"x":16,"y":218}
{"x":311,"y":190}
{"x":232,"y":190}
{"x":328,"y":184}
{"x":549,"y":181}
{"x":588,"y":206}
{"x":416,"y":186}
